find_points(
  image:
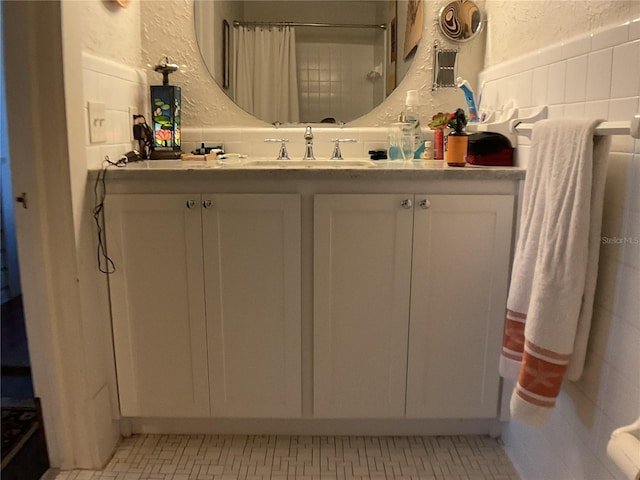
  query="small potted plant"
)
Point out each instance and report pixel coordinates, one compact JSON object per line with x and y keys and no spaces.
{"x":452,"y":122}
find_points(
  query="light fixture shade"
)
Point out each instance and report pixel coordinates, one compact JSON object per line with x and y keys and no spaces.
{"x":165,"y":115}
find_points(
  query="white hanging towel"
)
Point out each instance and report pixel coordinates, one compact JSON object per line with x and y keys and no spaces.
{"x":555,"y":266}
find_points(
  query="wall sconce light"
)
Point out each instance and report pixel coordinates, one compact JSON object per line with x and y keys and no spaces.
{"x":166,"y":105}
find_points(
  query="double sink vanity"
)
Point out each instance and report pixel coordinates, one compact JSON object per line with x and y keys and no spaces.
{"x":283,"y":297}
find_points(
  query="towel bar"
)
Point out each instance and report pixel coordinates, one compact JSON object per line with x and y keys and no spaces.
{"x":605,"y":128}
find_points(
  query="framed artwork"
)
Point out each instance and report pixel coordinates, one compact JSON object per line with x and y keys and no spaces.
{"x":413,"y":32}
{"x":226,"y":54}
{"x":392,"y":46}
{"x":393,"y":32}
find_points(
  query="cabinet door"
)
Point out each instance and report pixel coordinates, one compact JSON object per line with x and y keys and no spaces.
{"x":362,"y":268}
{"x":157,"y":303}
{"x":252,"y":276}
{"x":458,"y":296}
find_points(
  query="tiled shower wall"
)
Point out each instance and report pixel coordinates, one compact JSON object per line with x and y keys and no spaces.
{"x":118,"y":87}
{"x":596,"y":75}
{"x":332,"y":81}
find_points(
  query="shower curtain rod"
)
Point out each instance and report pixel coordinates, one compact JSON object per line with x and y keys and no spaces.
{"x":236,"y":23}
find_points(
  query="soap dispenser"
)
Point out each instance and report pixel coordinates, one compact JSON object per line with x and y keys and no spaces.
{"x":457,"y":141}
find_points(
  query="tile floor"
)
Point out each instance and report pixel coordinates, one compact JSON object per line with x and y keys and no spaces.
{"x":231,"y":457}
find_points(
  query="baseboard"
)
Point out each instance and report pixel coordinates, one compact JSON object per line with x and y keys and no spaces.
{"x":269,"y":426}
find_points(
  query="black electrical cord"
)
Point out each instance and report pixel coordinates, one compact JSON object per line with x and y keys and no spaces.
{"x":105,"y":263}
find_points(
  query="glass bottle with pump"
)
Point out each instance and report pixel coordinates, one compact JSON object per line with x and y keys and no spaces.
{"x":412,"y":116}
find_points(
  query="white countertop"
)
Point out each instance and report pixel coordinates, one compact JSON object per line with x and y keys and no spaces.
{"x":183,"y":170}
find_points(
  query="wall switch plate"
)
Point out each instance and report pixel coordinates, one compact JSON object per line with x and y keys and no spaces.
{"x":133,"y":111}
{"x":97,"y":123}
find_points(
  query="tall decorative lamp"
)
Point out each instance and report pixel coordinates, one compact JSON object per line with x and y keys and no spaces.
{"x":165,"y":115}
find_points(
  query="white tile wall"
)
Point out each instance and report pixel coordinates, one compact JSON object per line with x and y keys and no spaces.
{"x":626,"y":58}
{"x":599,"y":74}
{"x":332,"y":80}
{"x":576,"y":79}
{"x":556,"y":83}
{"x":118,"y":87}
{"x":594,"y":76}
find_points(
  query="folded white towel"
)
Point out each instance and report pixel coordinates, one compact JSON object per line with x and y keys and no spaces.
{"x":555,"y":265}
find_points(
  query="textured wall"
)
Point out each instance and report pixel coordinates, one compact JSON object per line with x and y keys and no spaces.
{"x":204,"y":104}
{"x":106,"y":30}
{"x":516,"y":27}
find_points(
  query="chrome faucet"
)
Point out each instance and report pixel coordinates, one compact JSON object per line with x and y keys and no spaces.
{"x":308,"y":153}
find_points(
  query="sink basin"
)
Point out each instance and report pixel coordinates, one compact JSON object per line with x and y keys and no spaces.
{"x":308,"y":164}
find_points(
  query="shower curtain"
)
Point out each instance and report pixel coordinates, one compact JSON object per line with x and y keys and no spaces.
{"x":265,"y":80}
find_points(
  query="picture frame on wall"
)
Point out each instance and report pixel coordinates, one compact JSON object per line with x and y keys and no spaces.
{"x":392,"y":46}
{"x":226,"y":54}
{"x":413,"y":32}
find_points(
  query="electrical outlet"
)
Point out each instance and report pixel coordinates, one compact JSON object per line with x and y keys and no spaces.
{"x":97,"y":123}
{"x":133,"y":111}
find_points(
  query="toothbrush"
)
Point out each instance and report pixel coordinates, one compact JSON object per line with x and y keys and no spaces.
{"x":480,"y":95}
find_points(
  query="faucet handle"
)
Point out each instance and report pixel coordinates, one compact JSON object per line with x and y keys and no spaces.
{"x":282,"y":154}
{"x":337,"y":154}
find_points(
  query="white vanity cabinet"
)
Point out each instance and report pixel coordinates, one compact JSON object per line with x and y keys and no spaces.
{"x":361,"y":280}
{"x":157,"y":304}
{"x":252,"y":290}
{"x":409,"y":296}
{"x":459,"y":280}
{"x":206,"y":304}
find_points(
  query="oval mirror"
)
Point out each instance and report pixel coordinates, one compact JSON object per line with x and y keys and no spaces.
{"x":312,"y":61}
{"x":460,"y":20}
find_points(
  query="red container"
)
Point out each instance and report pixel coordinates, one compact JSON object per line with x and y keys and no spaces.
{"x":438,"y":144}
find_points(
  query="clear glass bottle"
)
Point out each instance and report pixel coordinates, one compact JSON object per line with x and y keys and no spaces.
{"x":412,"y":117}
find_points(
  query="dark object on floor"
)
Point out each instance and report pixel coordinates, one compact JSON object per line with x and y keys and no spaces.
{"x":18,"y":425}
{"x":24,"y":449}
{"x":16,"y":372}
{"x":14,"y":351}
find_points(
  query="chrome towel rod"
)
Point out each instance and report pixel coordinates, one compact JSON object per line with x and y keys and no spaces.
{"x":632,"y":127}
{"x":237,"y":23}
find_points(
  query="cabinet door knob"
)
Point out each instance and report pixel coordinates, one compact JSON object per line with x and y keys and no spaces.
{"x":406,"y":203}
{"x":425,"y":203}
{"x":191,"y":203}
{"x":207,"y":204}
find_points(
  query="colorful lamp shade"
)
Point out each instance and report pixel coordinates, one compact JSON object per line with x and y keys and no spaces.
{"x":165,"y":112}
{"x":166,"y":102}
